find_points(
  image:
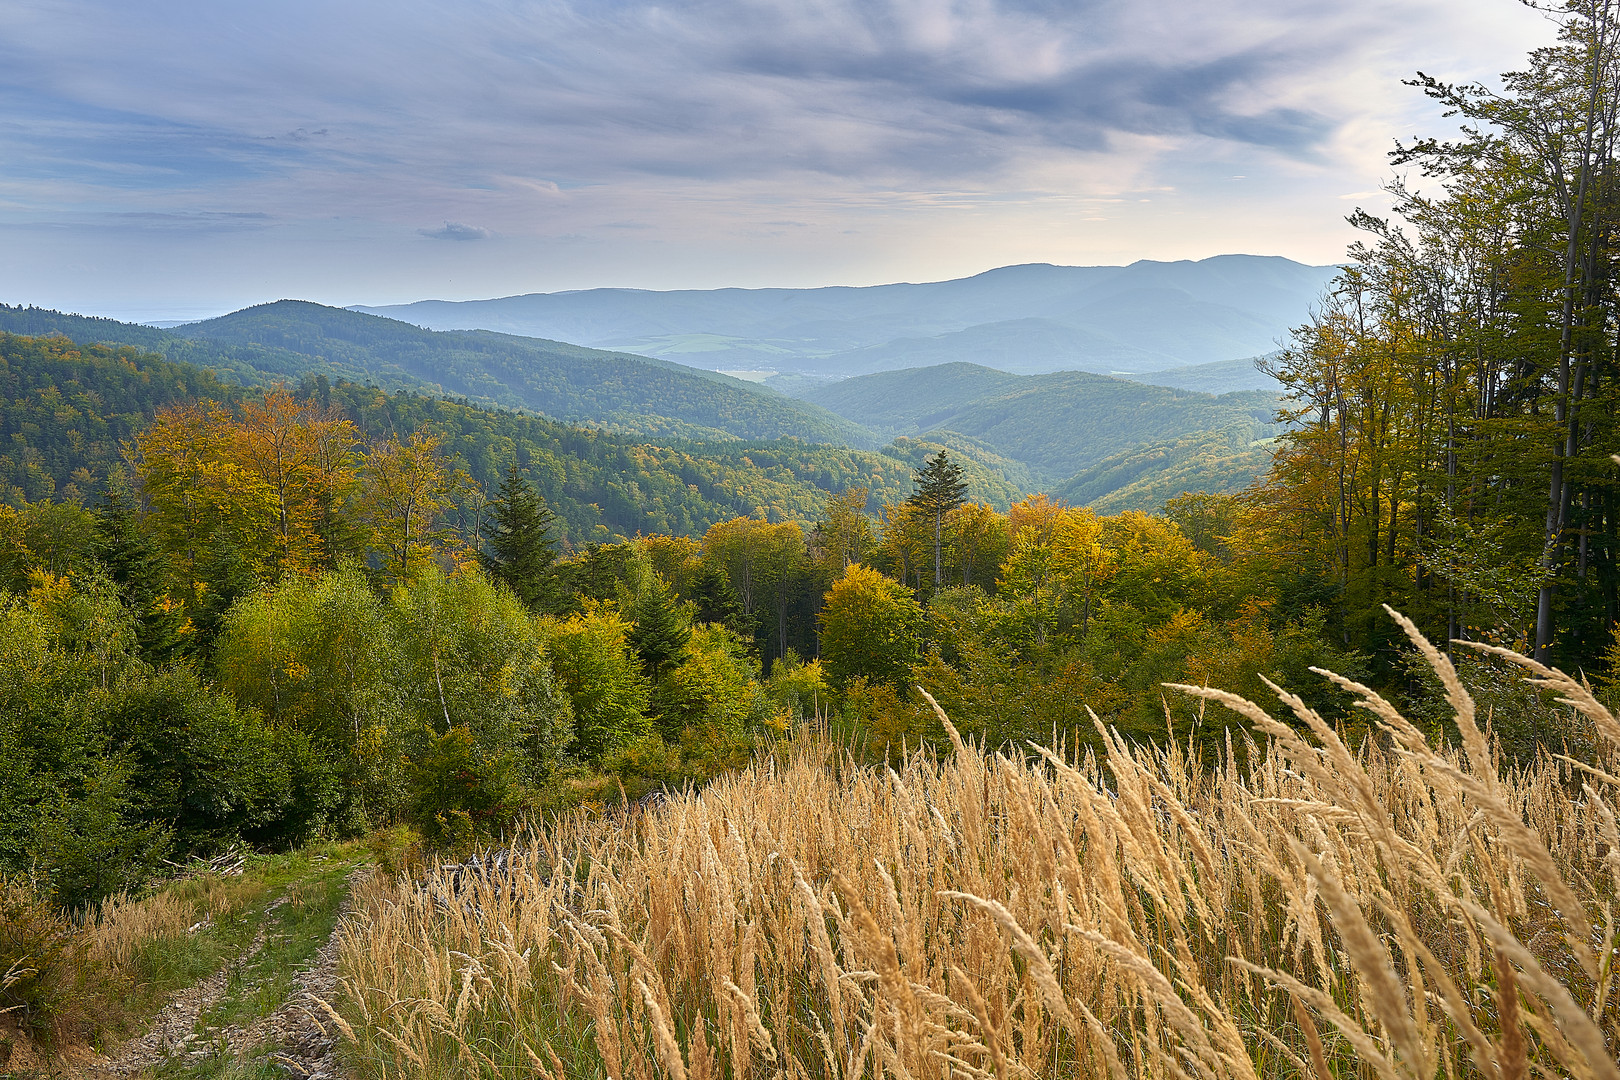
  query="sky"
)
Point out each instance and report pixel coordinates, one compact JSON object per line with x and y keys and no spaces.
{"x":172,"y":160}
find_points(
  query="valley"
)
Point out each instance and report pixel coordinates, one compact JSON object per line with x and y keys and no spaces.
{"x":1021,"y":432}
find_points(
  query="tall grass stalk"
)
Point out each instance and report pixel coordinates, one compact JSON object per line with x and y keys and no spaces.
{"x":1304,"y":908}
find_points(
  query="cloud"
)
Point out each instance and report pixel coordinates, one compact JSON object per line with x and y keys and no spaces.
{"x":971,"y":127}
{"x":454,"y":94}
{"x":455,"y":230}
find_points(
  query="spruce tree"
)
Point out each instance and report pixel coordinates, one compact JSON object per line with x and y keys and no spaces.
{"x":134,"y":563}
{"x":717,"y":602}
{"x":522,"y":543}
{"x":940,"y":489}
{"x":660,"y":635}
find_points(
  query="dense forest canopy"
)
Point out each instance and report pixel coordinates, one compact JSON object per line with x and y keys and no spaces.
{"x":1031,"y":434}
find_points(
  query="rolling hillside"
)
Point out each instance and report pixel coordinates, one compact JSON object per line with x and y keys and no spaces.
{"x":1146,"y":477}
{"x":65,"y":409}
{"x":630,"y":394}
{"x":1017,"y":433}
{"x":633,"y":394}
{"x":1219,"y":377}
{"x":1057,"y":425}
{"x":1147,"y":316}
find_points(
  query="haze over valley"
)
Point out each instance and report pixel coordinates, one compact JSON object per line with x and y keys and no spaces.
{"x":1133,"y":320}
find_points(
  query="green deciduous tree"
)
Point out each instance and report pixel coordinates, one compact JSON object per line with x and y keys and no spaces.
{"x":870,"y":627}
{"x":601,"y":675}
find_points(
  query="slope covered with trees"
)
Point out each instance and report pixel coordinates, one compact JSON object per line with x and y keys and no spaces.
{"x":67,"y":411}
{"x":635,"y":395}
{"x":1061,"y":424}
{"x":1144,"y":478}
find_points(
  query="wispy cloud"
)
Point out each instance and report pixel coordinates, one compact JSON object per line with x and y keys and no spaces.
{"x":455,"y":230}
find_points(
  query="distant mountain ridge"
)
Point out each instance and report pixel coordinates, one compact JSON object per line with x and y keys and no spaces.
{"x":1088,"y":437}
{"x":1029,"y":319}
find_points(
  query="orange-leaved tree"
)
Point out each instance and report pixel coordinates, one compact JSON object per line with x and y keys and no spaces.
{"x":408,"y":486}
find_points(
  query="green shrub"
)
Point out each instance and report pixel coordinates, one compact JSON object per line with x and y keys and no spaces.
{"x":460,"y":794}
{"x":97,"y":844}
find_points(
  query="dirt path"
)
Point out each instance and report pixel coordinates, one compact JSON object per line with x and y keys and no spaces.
{"x":174,"y":1028}
{"x":297,"y":1035}
{"x":300,"y":1031}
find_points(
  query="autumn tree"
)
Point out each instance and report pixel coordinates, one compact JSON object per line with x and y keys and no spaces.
{"x":978,"y":541}
{"x":904,"y":543}
{"x":594,"y":664}
{"x":676,"y":559}
{"x":307,"y":458}
{"x":409,"y":485}
{"x":870,"y":627}
{"x":200,"y":499}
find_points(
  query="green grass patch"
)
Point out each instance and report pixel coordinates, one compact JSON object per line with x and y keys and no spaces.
{"x":223,"y":1066}
{"x":304,"y":895}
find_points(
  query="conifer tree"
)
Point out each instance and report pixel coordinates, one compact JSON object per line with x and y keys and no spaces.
{"x":134,"y":563}
{"x":522,"y":543}
{"x":659,"y":634}
{"x":717,"y":601}
{"x":940,"y":489}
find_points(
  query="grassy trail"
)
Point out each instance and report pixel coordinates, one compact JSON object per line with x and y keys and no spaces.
{"x":230,"y":990}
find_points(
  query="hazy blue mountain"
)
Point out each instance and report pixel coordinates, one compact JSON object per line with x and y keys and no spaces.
{"x":1058,"y":424}
{"x":1219,"y":377}
{"x":1022,"y":346}
{"x":1147,"y":316}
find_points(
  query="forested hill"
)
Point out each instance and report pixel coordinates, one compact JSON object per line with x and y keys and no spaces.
{"x":1063,"y":423}
{"x":1018,"y":433}
{"x":245,"y":364}
{"x":634,"y":395}
{"x":66,"y":410}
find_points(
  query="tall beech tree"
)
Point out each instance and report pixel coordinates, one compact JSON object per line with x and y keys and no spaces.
{"x":1455,"y":398}
{"x":409,"y":486}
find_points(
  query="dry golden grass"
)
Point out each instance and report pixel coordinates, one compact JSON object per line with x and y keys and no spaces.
{"x":120,"y":928}
{"x":1393,"y":911}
